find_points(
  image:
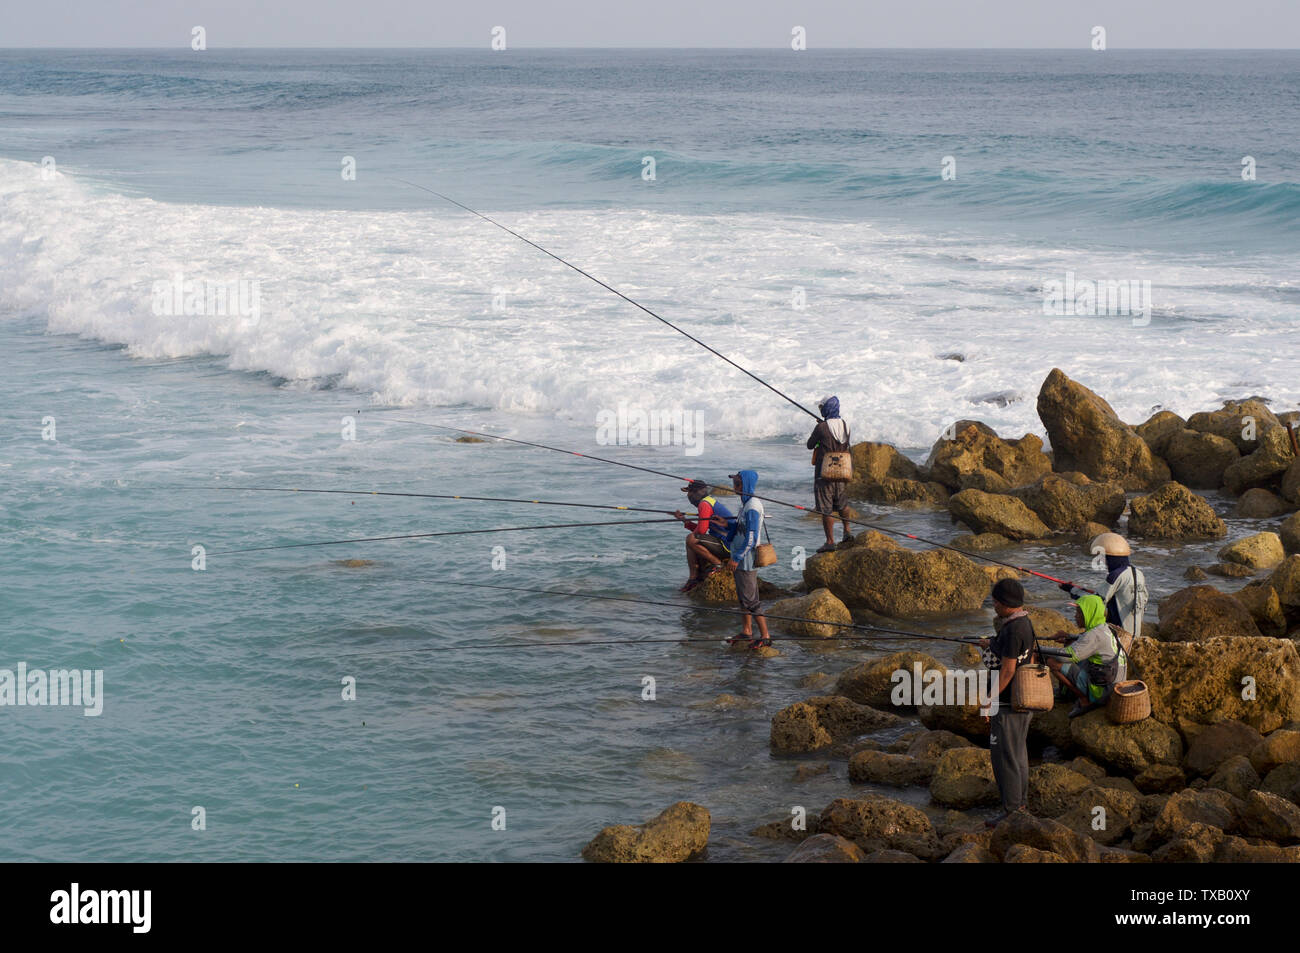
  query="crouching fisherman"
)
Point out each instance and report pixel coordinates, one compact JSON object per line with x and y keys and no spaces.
{"x":743,"y":544}
{"x":1125,"y":597}
{"x":1009,"y":729}
{"x":707,"y":534}
{"x":1097,"y":658}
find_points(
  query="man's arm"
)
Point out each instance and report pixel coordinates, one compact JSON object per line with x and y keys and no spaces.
{"x":815,"y":440}
{"x":1006,"y":673}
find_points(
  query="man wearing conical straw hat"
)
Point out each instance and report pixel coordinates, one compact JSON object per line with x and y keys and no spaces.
{"x":1125,"y":594}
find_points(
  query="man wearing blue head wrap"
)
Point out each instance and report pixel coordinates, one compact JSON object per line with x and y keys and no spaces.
{"x":830,"y":436}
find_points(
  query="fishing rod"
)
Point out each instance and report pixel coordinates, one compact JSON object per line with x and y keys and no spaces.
{"x":459,"y":532}
{"x":766,"y":499}
{"x":891,"y":633}
{"x":615,"y":291}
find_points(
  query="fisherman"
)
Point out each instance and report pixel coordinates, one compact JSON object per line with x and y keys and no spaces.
{"x":743,"y":543}
{"x":830,"y":497}
{"x":1125,"y":597}
{"x":1013,"y":645}
{"x":707,"y":534}
{"x":1097,"y":658}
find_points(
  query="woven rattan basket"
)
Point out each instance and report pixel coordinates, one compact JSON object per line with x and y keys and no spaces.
{"x":1129,"y":702}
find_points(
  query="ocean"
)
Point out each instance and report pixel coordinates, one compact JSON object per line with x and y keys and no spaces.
{"x":882,"y":225}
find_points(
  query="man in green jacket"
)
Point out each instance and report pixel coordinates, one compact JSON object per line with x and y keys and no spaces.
{"x":1097,"y":659}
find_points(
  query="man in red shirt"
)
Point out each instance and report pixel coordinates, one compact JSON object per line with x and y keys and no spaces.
{"x":706,"y":547}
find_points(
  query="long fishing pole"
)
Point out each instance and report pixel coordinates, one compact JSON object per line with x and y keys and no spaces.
{"x":766,"y":499}
{"x":893,"y":633}
{"x":459,"y":532}
{"x":613,"y":290}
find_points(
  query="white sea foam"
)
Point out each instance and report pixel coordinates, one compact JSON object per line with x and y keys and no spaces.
{"x":399,"y":305}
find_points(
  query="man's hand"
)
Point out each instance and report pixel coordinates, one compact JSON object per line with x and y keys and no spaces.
{"x":1065,"y":587}
{"x":732,"y":565}
{"x":679,"y":515}
{"x":984,"y":643}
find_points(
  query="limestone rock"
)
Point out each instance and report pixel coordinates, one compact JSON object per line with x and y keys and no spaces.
{"x":1174,"y":512}
{"x":827,"y":849}
{"x":895,"y":770}
{"x":1210,"y":807}
{"x":976,"y":453}
{"x":992,"y":513}
{"x":1264,"y":606}
{"x":1065,"y":505}
{"x":1291,"y":482}
{"x":1198,"y":459}
{"x":720,"y":589}
{"x":1087,"y":533}
{"x":1264,"y":465}
{"x":1259,"y":504}
{"x":1198,"y":613}
{"x":1127,"y":748}
{"x":1042,"y":834}
{"x":899,"y":583}
{"x":678,"y":834}
{"x":1159,"y":428}
{"x":1285,"y":581}
{"x":1218,"y":743}
{"x":1280,"y":747}
{"x":1160,"y":779}
{"x":1023,"y":854}
{"x":821,"y":721}
{"x":1270,"y":817}
{"x":1230,"y":570}
{"x":1235,"y":776}
{"x":963,"y":778}
{"x":1289,"y":533}
{"x":894,"y":491}
{"x":1087,"y":435}
{"x":980,"y":542}
{"x":891,"y":857}
{"x":964,"y":720}
{"x":876,"y":823}
{"x":1201,"y":683}
{"x":1053,"y":789}
{"x":1195,"y":574}
{"x":971,"y":853}
{"x":875,"y":462}
{"x":820,"y":605}
{"x":930,"y":745}
{"x":1241,"y":421}
{"x":1261,"y":551}
{"x":1284,"y":781}
{"x":872,"y":682}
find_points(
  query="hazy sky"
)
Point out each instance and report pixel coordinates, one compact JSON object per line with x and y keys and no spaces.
{"x":673,"y":23}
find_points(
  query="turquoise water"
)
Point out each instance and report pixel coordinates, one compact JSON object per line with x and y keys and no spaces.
{"x":223,"y":687}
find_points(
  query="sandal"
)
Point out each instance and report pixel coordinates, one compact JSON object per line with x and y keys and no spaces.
{"x":737,"y":639}
{"x":761,"y":643}
{"x":828,"y":548}
{"x":690,"y":584}
{"x":709,"y":571}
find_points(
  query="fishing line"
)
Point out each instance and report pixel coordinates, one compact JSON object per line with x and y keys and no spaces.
{"x":766,"y":499}
{"x":459,"y":532}
{"x":614,"y":290}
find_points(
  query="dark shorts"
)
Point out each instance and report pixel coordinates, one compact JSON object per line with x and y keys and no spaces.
{"x":831,"y":495}
{"x":747,"y":591}
{"x":714,"y":545}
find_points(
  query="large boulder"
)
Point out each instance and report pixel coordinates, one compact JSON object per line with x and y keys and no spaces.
{"x":1211,"y":807}
{"x":1105,"y":814}
{"x":1087,"y":435}
{"x":1262,"y":602}
{"x":1198,"y":613}
{"x":1054,"y":788}
{"x":1261,"y":551}
{"x":1068,"y":504}
{"x":1285,"y":581}
{"x":995,"y":513}
{"x":1159,"y":428}
{"x":1022,"y":828}
{"x":899,"y":583}
{"x":1218,"y":743}
{"x":1284,"y":781}
{"x":720,"y":589}
{"x":1200,"y":683}
{"x":896,"y":491}
{"x":1289,"y":533}
{"x":1264,"y":465}
{"x":679,"y":833}
{"x":874,"y":822}
{"x":872,"y":682}
{"x":821,"y":721}
{"x":875,"y":462}
{"x":820,"y":607}
{"x":1291,"y":482}
{"x":1236,"y":776}
{"x":1258,"y":504}
{"x":1198,"y":459}
{"x":963,"y":720}
{"x":1241,"y":421}
{"x":976,"y":455}
{"x":1174,"y":512}
{"x":930,"y":745}
{"x":963,"y":778}
{"x":1279,"y":748}
{"x":1130,"y":748}
{"x":826,"y":849}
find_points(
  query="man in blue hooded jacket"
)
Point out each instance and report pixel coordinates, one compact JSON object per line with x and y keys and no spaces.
{"x":742,"y":543}
{"x":831,"y":435}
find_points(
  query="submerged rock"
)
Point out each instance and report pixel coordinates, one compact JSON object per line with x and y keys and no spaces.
{"x":872,"y":682}
{"x":821,"y":721}
{"x":678,"y":834}
{"x":819,"y":605}
{"x":1174,"y":512}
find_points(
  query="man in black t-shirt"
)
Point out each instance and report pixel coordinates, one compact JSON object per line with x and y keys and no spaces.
{"x":1008,"y":729}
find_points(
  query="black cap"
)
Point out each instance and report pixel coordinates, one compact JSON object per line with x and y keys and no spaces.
{"x":696,"y":485}
{"x":1010,"y":593}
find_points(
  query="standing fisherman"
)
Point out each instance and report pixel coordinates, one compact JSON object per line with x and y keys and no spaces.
{"x":1009,"y":729}
{"x":1126,"y":593}
{"x":831,"y":435}
{"x":707,"y":534}
{"x":743,"y":543}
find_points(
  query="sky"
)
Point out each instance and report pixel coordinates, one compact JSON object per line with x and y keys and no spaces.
{"x":996,"y":24}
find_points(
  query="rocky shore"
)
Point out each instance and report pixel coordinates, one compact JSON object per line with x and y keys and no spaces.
{"x":1212,"y":775}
